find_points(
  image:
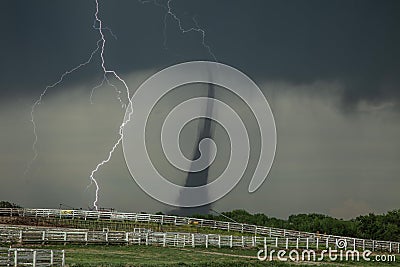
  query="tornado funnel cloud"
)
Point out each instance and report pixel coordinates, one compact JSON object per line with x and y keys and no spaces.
{"x":194,"y":178}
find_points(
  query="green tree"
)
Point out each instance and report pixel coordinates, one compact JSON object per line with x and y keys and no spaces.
{"x":6,"y":204}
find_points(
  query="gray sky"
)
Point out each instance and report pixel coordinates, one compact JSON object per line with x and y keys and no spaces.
{"x":330,"y":71}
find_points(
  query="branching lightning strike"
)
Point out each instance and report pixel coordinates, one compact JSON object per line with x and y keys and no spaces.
{"x":115,"y":75}
{"x":100,"y":46}
{"x":169,"y":13}
{"x":39,"y":101}
{"x":183,"y":30}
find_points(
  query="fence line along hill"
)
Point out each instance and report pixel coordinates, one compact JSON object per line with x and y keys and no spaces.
{"x":262,"y":234}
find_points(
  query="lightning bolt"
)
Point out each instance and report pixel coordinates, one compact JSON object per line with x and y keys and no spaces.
{"x":101,"y":43}
{"x":169,"y":13}
{"x":197,"y":29}
{"x":39,"y":101}
{"x":105,"y":79}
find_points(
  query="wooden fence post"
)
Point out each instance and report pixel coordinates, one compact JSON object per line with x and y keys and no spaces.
{"x":206,"y":241}
{"x":317,"y":243}
{"x":34,"y":259}
{"x":193,"y":244}
{"x":15,"y":258}
{"x":51,"y":257}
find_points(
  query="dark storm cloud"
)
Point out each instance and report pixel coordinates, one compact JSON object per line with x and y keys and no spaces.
{"x":309,"y":58}
{"x":353,"y":42}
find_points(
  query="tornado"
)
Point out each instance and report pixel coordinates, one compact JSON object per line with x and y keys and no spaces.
{"x":194,"y":179}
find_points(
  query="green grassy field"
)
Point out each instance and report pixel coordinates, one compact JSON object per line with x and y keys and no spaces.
{"x":113,"y":256}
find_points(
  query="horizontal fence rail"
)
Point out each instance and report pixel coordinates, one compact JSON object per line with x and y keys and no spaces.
{"x":268,"y":232}
{"x":31,"y":257}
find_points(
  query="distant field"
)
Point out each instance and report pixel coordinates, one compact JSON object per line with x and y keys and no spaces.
{"x":113,"y":256}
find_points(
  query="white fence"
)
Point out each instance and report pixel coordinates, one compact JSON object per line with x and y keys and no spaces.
{"x":268,"y":232}
{"x":31,"y":257}
{"x":144,"y":237}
